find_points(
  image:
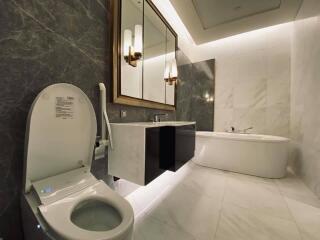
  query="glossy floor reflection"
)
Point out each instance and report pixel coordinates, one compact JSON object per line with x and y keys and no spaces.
{"x":206,"y":204}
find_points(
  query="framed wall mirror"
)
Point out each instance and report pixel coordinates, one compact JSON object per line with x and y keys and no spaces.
{"x":144,"y":56}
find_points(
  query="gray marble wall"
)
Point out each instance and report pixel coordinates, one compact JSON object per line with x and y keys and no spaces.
{"x":44,"y":42}
{"x":305,"y":101}
{"x":195,"y":80}
{"x":253,"y":81}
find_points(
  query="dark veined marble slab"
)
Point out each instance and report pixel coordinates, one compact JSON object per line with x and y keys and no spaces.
{"x":195,"y":80}
{"x":43,"y":42}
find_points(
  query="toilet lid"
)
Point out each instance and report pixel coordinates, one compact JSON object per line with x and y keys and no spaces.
{"x":61,"y":132}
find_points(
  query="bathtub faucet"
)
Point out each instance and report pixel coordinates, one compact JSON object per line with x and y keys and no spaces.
{"x":232,"y":130}
{"x":245,"y":130}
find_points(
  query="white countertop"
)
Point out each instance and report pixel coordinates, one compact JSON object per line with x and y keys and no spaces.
{"x":155,"y":124}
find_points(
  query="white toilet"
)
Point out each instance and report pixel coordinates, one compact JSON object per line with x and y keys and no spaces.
{"x":62,"y":199}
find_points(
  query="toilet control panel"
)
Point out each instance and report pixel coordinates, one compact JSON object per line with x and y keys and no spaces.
{"x":46,"y":190}
{"x":57,"y":187}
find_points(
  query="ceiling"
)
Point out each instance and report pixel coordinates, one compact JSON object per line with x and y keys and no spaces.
{"x":209,"y":20}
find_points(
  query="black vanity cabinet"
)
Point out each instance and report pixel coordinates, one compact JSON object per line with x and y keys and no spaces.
{"x":153,"y":167}
{"x":184,"y":142}
{"x":168,"y":148}
{"x":143,"y":151}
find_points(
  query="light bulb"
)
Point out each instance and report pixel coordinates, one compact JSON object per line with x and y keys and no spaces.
{"x":167,"y":72}
{"x":138,"y":39}
{"x":174,"y":69}
{"x":127,"y":42}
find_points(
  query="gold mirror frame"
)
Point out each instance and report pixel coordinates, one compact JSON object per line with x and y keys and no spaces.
{"x":116,"y":62}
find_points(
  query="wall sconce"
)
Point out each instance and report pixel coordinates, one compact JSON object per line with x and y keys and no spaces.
{"x":208,"y":97}
{"x":171,"y":72}
{"x":132,"y":53}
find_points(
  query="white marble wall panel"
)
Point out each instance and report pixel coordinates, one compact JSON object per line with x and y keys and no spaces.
{"x":253,"y":81}
{"x":305,"y":101}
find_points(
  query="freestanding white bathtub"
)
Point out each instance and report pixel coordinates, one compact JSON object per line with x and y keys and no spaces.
{"x":259,"y":155}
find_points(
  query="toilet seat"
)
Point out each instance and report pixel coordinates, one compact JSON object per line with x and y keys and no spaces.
{"x":58,"y":214}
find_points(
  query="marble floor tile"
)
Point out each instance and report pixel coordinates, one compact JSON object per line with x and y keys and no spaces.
{"x":307,"y":218}
{"x":261,"y":196}
{"x":124,"y":187}
{"x":186,"y":209}
{"x":249,"y":178}
{"x":204,"y":180}
{"x":237,"y":223}
{"x":199,"y":203}
{"x":147,"y":228}
{"x":183,"y":172}
{"x":303,"y":204}
{"x":143,"y":197}
{"x":293,"y":188}
{"x":172,"y":202}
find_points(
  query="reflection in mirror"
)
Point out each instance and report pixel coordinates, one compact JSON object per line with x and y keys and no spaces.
{"x":131,"y":48}
{"x":144,"y":72}
{"x":171,"y":67}
{"x":154,"y":56}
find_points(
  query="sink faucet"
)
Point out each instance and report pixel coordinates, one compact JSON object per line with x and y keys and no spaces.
{"x":156,"y":117}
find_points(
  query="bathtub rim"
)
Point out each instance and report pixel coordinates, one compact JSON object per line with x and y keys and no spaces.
{"x":242,"y":137}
